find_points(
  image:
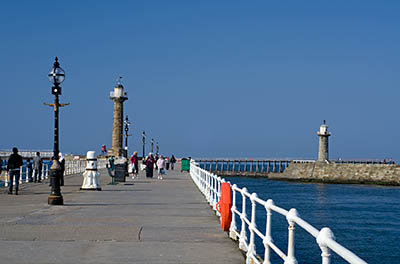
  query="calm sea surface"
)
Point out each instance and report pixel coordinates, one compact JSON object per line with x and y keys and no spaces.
{"x":364,"y":218}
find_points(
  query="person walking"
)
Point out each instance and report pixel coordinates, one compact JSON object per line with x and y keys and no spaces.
{"x":135,"y":164}
{"x":172,"y":161}
{"x":111,"y":163}
{"x":149,"y":165}
{"x":103,"y":150}
{"x":13,"y":167}
{"x":166,"y":163}
{"x":155,"y":160}
{"x":161,"y":167}
{"x":1,"y":165}
{"x":37,"y":167}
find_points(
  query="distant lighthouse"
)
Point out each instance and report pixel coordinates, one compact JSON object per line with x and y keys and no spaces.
{"x":119,"y":97}
{"x":323,"y":151}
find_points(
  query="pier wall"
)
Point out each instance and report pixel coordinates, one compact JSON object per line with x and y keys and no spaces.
{"x":385,"y":174}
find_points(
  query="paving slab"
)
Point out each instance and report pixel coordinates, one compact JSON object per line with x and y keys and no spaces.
{"x":139,"y":221}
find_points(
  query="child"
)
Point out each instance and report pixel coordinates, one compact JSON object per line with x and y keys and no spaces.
{"x":161,"y":167}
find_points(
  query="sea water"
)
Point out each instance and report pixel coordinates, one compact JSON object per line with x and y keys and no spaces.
{"x":364,"y":218}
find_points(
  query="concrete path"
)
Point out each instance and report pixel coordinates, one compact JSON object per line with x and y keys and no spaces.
{"x":140,"y":221}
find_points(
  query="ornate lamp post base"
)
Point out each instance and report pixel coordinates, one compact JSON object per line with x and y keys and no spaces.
{"x":55,"y":200}
{"x":55,"y":197}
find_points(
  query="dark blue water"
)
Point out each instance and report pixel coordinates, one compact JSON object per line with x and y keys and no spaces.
{"x":364,"y":218}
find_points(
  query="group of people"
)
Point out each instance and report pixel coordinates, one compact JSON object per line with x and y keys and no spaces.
{"x":160,"y":163}
{"x":34,"y":169}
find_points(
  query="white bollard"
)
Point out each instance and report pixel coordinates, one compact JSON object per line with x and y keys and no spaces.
{"x":91,"y":177}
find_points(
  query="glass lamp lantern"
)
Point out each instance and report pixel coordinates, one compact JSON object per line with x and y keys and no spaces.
{"x":56,"y":74}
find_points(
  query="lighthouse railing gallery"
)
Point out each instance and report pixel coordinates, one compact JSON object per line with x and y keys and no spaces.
{"x":210,"y":185}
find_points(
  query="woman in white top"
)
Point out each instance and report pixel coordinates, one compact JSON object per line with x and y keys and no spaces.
{"x":161,"y":167}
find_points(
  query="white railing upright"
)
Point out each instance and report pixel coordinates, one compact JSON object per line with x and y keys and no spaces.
{"x":210,"y":185}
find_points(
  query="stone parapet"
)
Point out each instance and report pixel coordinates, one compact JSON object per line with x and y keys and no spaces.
{"x":384,"y":174}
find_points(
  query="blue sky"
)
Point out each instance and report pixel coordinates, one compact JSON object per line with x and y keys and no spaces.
{"x":206,"y":78}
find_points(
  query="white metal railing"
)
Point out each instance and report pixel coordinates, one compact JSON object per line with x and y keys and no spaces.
{"x":71,"y":167}
{"x":74,"y":166}
{"x":26,"y":174}
{"x":209,"y":184}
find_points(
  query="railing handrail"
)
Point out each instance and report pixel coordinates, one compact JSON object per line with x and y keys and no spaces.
{"x":209,"y":185}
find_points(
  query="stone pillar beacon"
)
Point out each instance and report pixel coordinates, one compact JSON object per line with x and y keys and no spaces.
{"x":118,"y":96}
{"x":323,"y":151}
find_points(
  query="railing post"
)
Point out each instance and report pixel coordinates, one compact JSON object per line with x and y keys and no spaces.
{"x":45,"y":175}
{"x":268,"y":237}
{"x":6,"y":181}
{"x":251,"y":252}
{"x":27,"y":174}
{"x":219,"y":180}
{"x":325,"y":233}
{"x":208,"y":196}
{"x":20,"y":173}
{"x":212,"y":201}
{"x":203,"y":183}
{"x":233,"y":228}
{"x":43,"y":172}
{"x":291,"y":259}
{"x":215,"y":192}
{"x":212,"y":192}
{"x":243,"y":235}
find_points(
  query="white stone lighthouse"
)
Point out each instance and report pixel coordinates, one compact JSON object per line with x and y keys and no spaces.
{"x":323,"y":151}
{"x":119,"y":97}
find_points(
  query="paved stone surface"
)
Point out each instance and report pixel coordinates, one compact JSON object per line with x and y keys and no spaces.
{"x":140,"y":221}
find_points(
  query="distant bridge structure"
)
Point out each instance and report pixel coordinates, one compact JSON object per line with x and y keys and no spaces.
{"x":244,"y":167}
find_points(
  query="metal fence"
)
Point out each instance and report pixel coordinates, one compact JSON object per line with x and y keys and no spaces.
{"x":26,"y":173}
{"x":71,"y":167}
{"x":210,"y":185}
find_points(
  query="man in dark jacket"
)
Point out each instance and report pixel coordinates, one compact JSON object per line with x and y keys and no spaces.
{"x":13,"y":168}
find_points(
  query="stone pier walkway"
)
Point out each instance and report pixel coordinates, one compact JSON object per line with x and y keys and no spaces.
{"x":140,"y":221}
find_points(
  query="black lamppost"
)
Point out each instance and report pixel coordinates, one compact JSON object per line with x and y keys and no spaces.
{"x":152,"y":145}
{"x":127,"y":123}
{"x":157,"y":149}
{"x":143,"y":143}
{"x":56,"y":76}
